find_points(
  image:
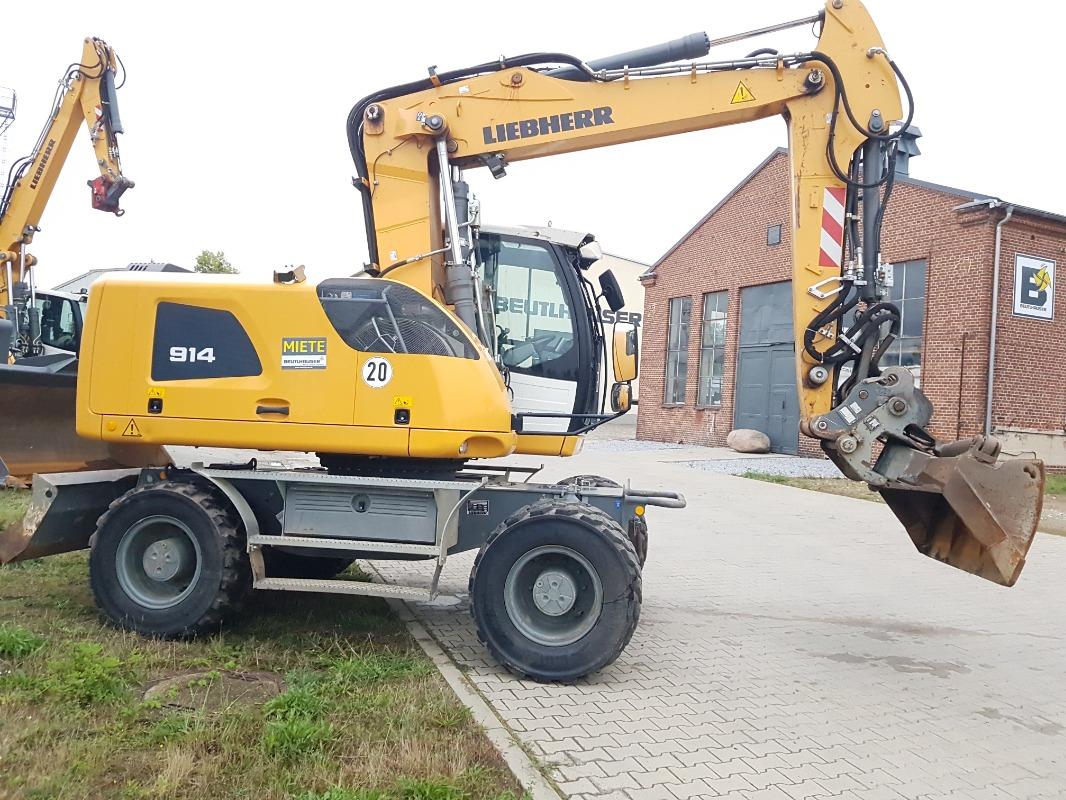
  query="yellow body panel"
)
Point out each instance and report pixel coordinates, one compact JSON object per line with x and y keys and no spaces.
{"x":458,"y":406}
{"x":549,"y":445}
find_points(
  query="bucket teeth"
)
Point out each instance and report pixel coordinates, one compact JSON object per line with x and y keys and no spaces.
{"x":970,"y":512}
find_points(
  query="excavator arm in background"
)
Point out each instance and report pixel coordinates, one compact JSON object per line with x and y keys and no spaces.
{"x":37,"y":390}
{"x":87,"y":93}
{"x":840,"y":100}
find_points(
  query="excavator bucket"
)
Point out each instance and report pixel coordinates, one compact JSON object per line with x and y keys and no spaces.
{"x":63,"y":513}
{"x":967,"y":510}
{"x":37,"y":427}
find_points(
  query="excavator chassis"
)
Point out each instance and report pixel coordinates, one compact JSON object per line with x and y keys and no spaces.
{"x":555,"y":590}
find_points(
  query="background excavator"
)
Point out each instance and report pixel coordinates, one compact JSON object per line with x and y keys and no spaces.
{"x":40,"y":330}
{"x":400,"y":376}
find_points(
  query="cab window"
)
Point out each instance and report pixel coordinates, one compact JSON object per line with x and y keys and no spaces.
{"x":534,"y":326}
{"x":59,"y":322}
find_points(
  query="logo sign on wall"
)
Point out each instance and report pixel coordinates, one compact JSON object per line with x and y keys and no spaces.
{"x":1034,"y":287}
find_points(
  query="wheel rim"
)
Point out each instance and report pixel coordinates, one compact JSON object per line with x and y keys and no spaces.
{"x":553,"y":595}
{"x":158,"y":562}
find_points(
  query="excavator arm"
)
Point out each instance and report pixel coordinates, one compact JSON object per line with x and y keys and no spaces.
{"x":87,"y":93}
{"x":840,"y":100}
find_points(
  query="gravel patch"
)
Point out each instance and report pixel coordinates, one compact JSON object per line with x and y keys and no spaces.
{"x":627,"y":445}
{"x":788,"y":467}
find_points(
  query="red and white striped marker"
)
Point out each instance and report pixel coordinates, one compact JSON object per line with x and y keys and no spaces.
{"x":832,"y":251}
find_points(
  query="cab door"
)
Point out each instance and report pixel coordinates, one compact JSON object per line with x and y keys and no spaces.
{"x":543,"y":333}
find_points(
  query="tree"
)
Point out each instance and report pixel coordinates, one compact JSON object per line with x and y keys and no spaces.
{"x":214,"y":262}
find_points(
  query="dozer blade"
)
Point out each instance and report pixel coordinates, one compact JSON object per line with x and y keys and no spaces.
{"x":967,"y":510}
{"x":63,"y":513}
{"x":37,"y":428}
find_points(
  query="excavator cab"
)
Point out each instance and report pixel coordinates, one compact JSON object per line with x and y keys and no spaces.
{"x":546,"y":315}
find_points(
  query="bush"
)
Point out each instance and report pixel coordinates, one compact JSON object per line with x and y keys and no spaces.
{"x":430,"y":790}
{"x":378,"y":667}
{"x":16,"y":642}
{"x":298,"y":702}
{"x":291,"y":739}
{"x":337,"y":793}
{"x":87,"y":676}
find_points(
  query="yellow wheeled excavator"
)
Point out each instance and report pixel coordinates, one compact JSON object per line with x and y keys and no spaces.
{"x":434,"y":358}
{"x":39,"y":329}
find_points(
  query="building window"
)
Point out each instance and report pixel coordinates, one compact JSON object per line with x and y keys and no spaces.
{"x":908,"y":294}
{"x":712,"y":349}
{"x":773,"y":235}
{"x":677,"y":350}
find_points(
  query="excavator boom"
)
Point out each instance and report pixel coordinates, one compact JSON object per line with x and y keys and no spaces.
{"x":87,"y":95}
{"x":844,"y":111}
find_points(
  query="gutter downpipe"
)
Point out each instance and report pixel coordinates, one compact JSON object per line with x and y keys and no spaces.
{"x":995,"y":317}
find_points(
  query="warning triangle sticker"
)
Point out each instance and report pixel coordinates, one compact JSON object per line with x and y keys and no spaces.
{"x":132,"y":430}
{"x":742,"y":95}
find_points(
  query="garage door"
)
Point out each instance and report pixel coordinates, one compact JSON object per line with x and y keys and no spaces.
{"x":766,"y":371}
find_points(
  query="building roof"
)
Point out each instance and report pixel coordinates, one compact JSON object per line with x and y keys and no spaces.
{"x":975,"y":197}
{"x":729,"y":196}
{"x":137,"y":266}
{"x":90,"y":274}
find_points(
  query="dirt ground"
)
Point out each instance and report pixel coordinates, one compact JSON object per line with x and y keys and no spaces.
{"x":1052,"y":519}
{"x":306,"y":697}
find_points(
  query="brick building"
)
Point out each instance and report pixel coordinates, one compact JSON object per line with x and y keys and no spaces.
{"x":718,"y":352}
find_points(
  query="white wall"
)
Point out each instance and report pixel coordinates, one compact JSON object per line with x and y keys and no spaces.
{"x":628,"y":273}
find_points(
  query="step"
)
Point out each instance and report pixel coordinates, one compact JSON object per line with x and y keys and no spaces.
{"x":332,"y":543}
{"x":364,"y":588}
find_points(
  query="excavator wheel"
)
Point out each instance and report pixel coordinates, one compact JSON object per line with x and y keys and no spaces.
{"x":169,"y":560}
{"x":556,"y":591}
{"x":638,"y":527}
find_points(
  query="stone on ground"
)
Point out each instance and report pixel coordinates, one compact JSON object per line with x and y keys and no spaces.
{"x":746,"y":440}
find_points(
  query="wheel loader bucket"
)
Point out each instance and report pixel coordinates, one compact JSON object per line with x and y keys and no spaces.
{"x":970,"y":512}
{"x":37,"y":428}
{"x":63,"y":513}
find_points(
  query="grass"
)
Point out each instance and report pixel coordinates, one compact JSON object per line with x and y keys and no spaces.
{"x":13,"y":505}
{"x":838,"y":486}
{"x":1055,"y":486}
{"x":1052,"y":521}
{"x":362,"y":715}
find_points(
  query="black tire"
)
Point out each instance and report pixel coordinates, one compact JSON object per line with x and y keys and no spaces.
{"x":595,"y":481}
{"x":223,"y":577}
{"x":603,"y":545}
{"x":280,"y":564}
{"x":638,"y":527}
{"x":638,"y":537}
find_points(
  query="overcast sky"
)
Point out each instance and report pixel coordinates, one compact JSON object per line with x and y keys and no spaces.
{"x":235,"y":116}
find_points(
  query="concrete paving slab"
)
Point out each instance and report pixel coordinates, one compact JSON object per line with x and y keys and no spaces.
{"x":792,"y":645}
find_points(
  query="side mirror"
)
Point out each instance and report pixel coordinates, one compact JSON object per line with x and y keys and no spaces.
{"x":625,"y":355}
{"x":590,"y":253}
{"x":621,"y":397}
{"x":612,"y":292}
